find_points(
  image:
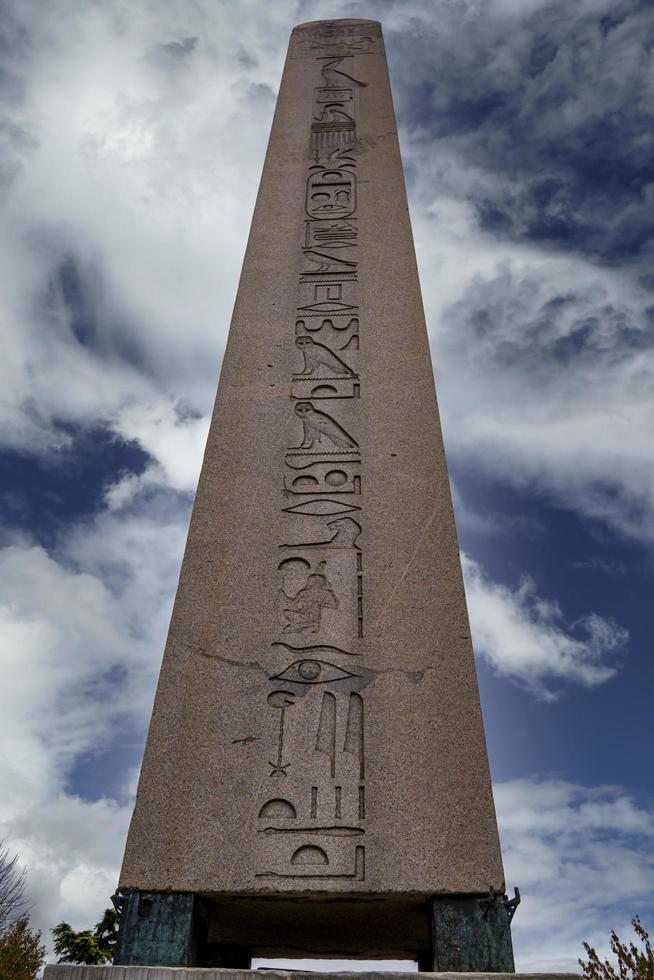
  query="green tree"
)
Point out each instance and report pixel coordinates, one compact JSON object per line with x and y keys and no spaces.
{"x":634,"y":963}
{"x":89,"y":946}
{"x":21,"y":952}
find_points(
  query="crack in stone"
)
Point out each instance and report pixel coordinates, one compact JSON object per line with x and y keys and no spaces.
{"x":415,"y":676}
{"x":249,"y":665}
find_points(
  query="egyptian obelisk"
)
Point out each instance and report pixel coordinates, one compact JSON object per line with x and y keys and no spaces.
{"x":315,"y":779}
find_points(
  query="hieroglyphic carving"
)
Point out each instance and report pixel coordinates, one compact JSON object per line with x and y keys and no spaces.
{"x":315,"y":831}
{"x":331,"y":234}
{"x":303,"y":389}
{"x":277,"y":809}
{"x":331,"y":192}
{"x":337,"y":332}
{"x":312,"y":672}
{"x":357,"y":873}
{"x":345,"y":533}
{"x":354,"y":731}
{"x":321,"y":508}
{"x":317,"y":651}
{"x":333,"y":72}
{"x":318,"y":357}
{"x":318,"y":426}
{"x":338,"y":40}
{"x":280,"y":700}
{"x":302,"y":611}
{"x":326,"y":734}
{"x":320,"y":596}
{"x":339,"y":475}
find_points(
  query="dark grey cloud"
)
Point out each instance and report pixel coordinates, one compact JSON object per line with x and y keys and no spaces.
{"x":551,"y":105}
{"x":180,"y":49}
{"x":550,"y":332}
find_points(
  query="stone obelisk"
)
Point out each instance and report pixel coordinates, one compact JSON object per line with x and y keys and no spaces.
{"x":315,"y":780}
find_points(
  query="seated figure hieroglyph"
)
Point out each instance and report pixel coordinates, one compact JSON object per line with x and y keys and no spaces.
{"x":302,"y":612}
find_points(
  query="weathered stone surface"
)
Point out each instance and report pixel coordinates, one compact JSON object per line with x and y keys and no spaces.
{"x":63,"y":972}
{"x":317,"y":730}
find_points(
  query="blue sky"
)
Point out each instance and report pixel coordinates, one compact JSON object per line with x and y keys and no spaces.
{"x":132,"y":143}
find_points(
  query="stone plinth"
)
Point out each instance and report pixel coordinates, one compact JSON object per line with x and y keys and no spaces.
{"x":62,"y":972}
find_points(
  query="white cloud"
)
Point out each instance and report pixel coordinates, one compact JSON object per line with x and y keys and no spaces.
{"x":82,"y":631}
{"x":542,"y":351}
{"x":526,"y":638}
{"x":140,"y":173}
{"x":176,"y":442}
{"x":72,"y":850}
{"x":582,"y":858}
{"x":518,"y":405}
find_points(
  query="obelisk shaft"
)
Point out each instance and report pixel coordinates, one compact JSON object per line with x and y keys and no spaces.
{"x":317,"y":728}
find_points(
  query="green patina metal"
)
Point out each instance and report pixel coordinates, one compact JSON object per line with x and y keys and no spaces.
{"x":467,"y":934}
{"x":157,"y":929}
{"x":170,"y":929}
{"x":470,"y":934}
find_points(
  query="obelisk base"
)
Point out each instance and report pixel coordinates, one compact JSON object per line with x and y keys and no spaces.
{"x":458,"y":933}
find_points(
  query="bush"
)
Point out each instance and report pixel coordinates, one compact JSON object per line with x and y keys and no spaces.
{"x":633,"y":963}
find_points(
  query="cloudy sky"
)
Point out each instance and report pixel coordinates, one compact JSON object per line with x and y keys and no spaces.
{"x":132,"y":139}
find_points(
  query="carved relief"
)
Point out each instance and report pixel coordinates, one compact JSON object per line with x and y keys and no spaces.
{"x":312,"y":832}
{"x":319,"y":357}
{"x":322,"y":650}
{"x":340,"y":40}
{"x":318,"y":426}
{"x":339,"y":332}
{"x":330,"y":234}
{"x":315,"y":831}
{"x":301,"y":612}
{"x":326,"y":734}
{"x":312,"y":672}
{"x":344,"y":534}
{"x":323,"y":264}
{"x":357,"y":873}
{"x":320,"y":388}
{"x":330,"y":477}
{"x":324,"y":95}
{"x":277,"y":809}
{"x":280,"y":700}
{"x":321,"y":508}
{"x":333,"y":73}
{"x":354,"y":743}
{"x":326,"y":137}
{"x":331,"y":193}
{"x":309,"y":854}
{"x":345,"y":46}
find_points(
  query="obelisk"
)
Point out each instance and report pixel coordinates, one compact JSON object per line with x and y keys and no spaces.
{"x":315,"y":780}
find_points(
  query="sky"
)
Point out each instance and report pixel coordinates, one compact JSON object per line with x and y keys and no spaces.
{"x":132,"y":139}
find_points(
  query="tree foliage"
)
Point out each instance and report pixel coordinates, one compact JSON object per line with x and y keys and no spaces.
{"x":21,"y":952}
{"x":90,"y":946}
{"x":634,"y":963}
{"x":13,"y":903}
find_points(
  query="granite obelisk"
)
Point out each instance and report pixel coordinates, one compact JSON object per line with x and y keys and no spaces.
{"x":315,"y":779}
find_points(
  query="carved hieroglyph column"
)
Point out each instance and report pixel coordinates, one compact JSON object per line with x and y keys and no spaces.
{"x":317,"y":729}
